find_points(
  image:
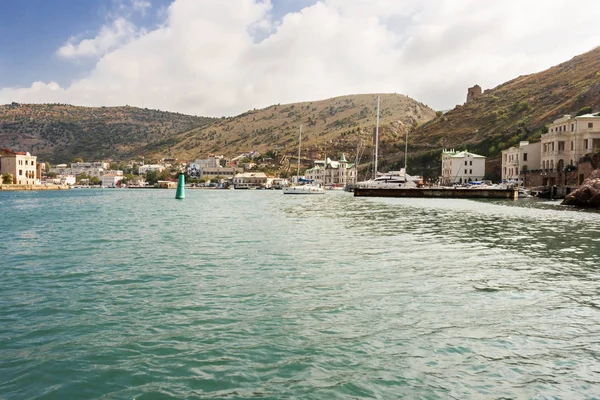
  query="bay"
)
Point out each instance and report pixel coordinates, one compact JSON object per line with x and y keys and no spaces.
{"x":114,"y":294}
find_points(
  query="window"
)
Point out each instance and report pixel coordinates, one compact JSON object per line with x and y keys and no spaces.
{"x":465,"y":162}
{"x":470,"y":162}
{"x":20,"y":172}
{"x":561,"y":146}
{"x":571,"y":145}
{"x":590,"y":124}
{"x":524,"y":156}
{"x":470,"y":171}
{"x":585,"y":143}
{"x":465,"y":171}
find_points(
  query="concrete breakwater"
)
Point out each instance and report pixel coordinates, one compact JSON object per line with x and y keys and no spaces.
{"x":33,"y":187}
{"x":445,"y":193}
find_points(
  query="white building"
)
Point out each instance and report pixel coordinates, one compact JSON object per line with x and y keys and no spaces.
{"x":568,"y":139}
{"x":250,"y":180}
{"x":91,"y":169}
{"x":332,"y":173}
{"x":22,"y":166}
{"x":461,"y":167}
{"x":111,"y":180}
{"x":195,"y":168}
{"x":524,"y":157}
{"x":66,"y":179}
{"x":143,"y":169}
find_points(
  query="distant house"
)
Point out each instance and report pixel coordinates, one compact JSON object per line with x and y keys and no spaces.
{"x":143,"y":169}
{"x":332,"y":173}
{"x":250,"y":180}
{"x":517,"y":159}
{"x":166,"y":184}
{"x":21,"y":164}
{"x":460,"y":167}
{"x":111,"y":180}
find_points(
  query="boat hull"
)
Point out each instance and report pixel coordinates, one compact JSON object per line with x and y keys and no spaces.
{"x":305,"y":189}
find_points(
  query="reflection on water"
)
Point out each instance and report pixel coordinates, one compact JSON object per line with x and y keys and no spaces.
{"x":239,"y":294}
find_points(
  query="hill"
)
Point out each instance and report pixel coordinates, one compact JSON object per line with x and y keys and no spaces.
{"x":329,"y":126}
{"x":60,"y":132}
{"x":513,"y":111}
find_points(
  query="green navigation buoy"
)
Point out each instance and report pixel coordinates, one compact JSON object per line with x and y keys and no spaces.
{"x":180,"y":187}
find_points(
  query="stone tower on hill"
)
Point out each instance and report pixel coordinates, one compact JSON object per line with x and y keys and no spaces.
{"x":473,"y":93}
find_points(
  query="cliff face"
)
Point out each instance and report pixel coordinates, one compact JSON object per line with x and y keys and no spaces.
{"x":588,"y":194}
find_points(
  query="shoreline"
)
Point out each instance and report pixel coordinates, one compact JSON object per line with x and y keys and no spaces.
{"x":12,"y":187}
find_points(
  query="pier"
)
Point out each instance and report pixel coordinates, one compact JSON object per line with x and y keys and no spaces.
{"x":443,"y":193}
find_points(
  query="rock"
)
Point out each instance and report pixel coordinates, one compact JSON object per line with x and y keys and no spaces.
{"x":588,"y":194}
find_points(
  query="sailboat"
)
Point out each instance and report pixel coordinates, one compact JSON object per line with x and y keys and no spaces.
{"x":303,"y":186}
{"x":391,"y":179}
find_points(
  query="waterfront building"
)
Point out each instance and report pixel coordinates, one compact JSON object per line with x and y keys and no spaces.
{"x":111,"y":180}
{"x":460,"y":167}
{"x":92,"y":169}
{"x":518,"y":160}
{"x":568,"y":139}
{"x":332,"y":173}
{"x":21,"y":165}
{"x":65,"y":179}
{"x":250,"y":180}
{"x":213,"y":161}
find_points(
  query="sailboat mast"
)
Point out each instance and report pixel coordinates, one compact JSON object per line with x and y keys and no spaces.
{"x":406,"y":153}
{"x":299,"y":146}
{"x":376,"y":139}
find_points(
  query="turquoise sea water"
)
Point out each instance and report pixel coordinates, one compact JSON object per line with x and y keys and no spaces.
{"x":131,"y":294}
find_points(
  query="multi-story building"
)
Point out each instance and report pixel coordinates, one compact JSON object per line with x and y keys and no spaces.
{"x":332,"y":173}
{"x":143,"y":169}
{"x":217,"y":172}
{"x":250,"y":180}
{"x":21,"y":165}
{"x":568,"y":139}
{"x":460,"y":167}
{"x":517,"y":160}
{"x":92,"y":169}
{"x":213,"y":161}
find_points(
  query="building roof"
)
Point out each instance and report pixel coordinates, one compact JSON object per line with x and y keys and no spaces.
{"x":461,"y":154}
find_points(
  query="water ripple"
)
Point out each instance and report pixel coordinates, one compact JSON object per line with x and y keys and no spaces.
{"x":249,"y":294}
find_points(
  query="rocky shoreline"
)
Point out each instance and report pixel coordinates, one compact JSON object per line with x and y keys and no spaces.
{"x":586,"y":195}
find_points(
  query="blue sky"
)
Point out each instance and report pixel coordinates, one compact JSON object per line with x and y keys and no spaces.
{"x":223,"y":57}
{"x":31,"y":31}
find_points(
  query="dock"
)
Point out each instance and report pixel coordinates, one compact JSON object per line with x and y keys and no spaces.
{"x":441,"y":193}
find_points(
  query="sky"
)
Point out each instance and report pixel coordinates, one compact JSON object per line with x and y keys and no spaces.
{"x":224,"y":57}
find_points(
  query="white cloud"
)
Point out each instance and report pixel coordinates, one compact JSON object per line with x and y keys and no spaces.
{"x":110,"y":37}
{"x":215,"y":58}
{"x":140,"y":5}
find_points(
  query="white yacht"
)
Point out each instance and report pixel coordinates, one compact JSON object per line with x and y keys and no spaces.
{"x":391,"y":180}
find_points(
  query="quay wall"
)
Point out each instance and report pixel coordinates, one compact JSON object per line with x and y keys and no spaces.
{"x":33,"y":187}
{"x":444,"y":193}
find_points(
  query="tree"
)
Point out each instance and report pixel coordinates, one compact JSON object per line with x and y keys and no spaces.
{"x":94,"y":180}
{"x":7,"y":178}
{"x":152,"y":176}
{"x":77,"y":159}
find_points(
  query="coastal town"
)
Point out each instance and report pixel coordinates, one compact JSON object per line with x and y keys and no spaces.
{"x":562,"y":159}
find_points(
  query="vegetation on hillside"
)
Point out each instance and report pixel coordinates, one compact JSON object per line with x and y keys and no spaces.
{"x":60,"y":132}
{"x":329,"y":127}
